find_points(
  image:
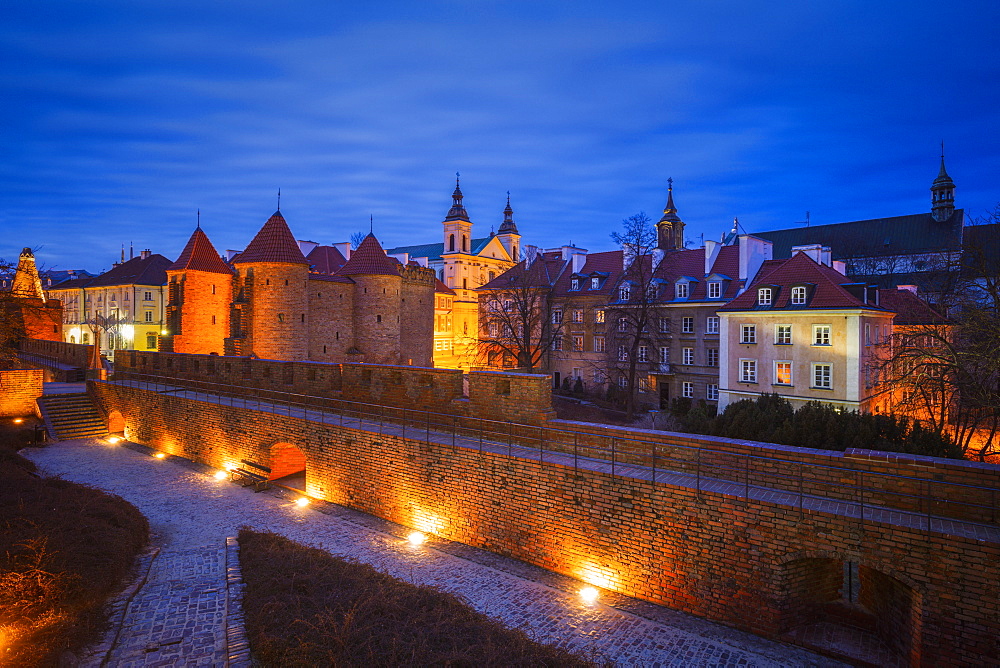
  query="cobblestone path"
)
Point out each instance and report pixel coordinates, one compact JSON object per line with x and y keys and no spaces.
{"x":184,"y":596}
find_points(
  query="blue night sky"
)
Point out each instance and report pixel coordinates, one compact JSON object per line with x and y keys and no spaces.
{"x":120,"y":119}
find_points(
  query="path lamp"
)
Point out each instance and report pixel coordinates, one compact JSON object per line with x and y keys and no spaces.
{"x":589,"y":595}
{"x":416,"y":538}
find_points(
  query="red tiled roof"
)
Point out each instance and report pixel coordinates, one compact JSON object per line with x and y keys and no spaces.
{"x":828,"y":292}
{"x":326,"y":259}
{"x":370,"y":259}
{"x":200,"y":255}
{"x":149,"y":270}
{"x":439,"y":286}
{"x":273,"y":243}
{"x":608,"y":262}
{"x":910,"y":309}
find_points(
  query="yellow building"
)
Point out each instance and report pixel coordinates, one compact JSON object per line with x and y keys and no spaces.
{"x":462,"y":264}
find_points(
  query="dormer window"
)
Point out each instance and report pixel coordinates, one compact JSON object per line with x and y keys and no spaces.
{"x":682,"y":290}
{"x":650,"y":293}
{"x":624,"y":293}
{"x":798,"y":295}
{"x":574,"y":284}
{"x":765,"y":296}
{"x":714,"y":290}
{"x":595,"y":283}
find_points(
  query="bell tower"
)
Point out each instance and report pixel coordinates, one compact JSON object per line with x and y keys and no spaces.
{"x":457,"y":226}
{"x":942,"y":194}
{"x":508,"y":234}
{"x":670,"y":229}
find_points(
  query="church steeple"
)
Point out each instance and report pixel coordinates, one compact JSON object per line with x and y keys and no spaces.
{"x":508,"y":226}
{"x":457,"y":226}
{"x":942,"y":194}
{"x":670,"y":229}
{"x":457,"y":211}
{"x":508,"y":235}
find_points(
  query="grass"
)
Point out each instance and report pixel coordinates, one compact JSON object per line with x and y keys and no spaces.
{"x":305,"y":607}
{"x":64,"y":549}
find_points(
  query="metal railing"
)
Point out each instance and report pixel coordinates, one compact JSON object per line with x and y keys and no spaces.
{"x":803,"y":484}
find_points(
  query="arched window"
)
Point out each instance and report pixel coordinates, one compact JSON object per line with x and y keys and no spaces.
{"x":465,"y":243}
{"x":451,"y":242}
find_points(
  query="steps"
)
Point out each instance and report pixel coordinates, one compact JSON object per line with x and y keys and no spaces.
{"x":71,"y":416}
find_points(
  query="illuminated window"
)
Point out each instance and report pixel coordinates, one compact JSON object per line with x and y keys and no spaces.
{"x":782,"y":373}
{"x":712,"y":324}
{"x":599,"y":316}
{"x":578,"y":343}
{"x":821,"y":335}
{"x":748,"y":334}
{"x":822,"y":376}
{"x":783,"y":335}
{"x":748,"y":371}
{"x":765,"y":296}
{"x":578,"y":315}
{"x":798,"y":295}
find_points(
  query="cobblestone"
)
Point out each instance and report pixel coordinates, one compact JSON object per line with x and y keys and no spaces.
{"x":180,"y":615}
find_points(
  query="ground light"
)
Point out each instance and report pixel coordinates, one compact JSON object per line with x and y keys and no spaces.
{"x":220,"y":475}
{"x":589,"y":594}
{"x":159,"y":455}
{"x":18,"y":420}
{"x":416,"y":538}
{"x":302,"y":502}
{"x":114,"y":439}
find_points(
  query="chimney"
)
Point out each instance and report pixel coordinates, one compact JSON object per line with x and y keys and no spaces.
{"x":754,"y":251}
{"x":307,"y":247}
{"x":530,"y":253}
{"x":578,"y":256}
{"x":908,"y":288}
{"x":628,"y":256}
{"x":404,"y":258}
{"x":230,"y":254}
{"x":815,"y":251}
{"x":345,"y":249}
{"x":840,"y":266}
{"x":827,"y":256}
{"x":144,"y":254}
{"x":711,"y":253}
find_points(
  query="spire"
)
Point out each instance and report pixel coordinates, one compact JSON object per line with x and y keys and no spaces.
{"x":457,"y":211}
{"x":279,"y":199}
{"x":123,"y":252}
{"x":670,"y":211}
{"x":508,"y":226}
{"x":670,"y":229}
{"x":27,"y":283}
{"x":273,"y":243}
{"x":369,"y":259}
{"x":942,"y":193}
{"x":198,"y":226}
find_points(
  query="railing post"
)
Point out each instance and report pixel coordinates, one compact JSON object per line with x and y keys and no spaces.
{"x":541,"y":444}
{"x":510,"y":437}
{"x":612,"y":456}
{"x":480,"y":435}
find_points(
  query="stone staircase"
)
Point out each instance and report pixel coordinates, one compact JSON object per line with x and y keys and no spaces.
{"x":71,"y":416}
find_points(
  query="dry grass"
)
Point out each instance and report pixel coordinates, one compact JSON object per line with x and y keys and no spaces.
{"x":304,"y":607}
{"x":64,"y":548}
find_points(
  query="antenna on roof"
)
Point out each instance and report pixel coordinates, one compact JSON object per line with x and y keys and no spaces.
{"x":804,"y":222}
{"x":199,"y":219}
{"x":371,"y":224}
{"x":279,"y":199}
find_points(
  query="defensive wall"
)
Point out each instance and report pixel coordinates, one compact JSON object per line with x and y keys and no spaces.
{"x":761,"y":562}
{"x":62,"y":361}
{"x":19,"y":388}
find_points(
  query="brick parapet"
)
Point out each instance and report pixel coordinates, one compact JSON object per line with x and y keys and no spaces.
{"x":19,"y":388}
{"x":72,"y":354}
{"x":757,"y":566}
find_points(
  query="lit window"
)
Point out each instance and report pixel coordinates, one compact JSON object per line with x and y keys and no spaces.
{"x":622,"y":354}
{"x":687,"y":325}
{"x":714,"y":290}
{"x":578,"y":315}
{"x":748,"y":371}
{"x":712,"y":324}
{"x":681,"y":290}
{"x":624,"y":293}
{"x":821,"y":335}
{"x":556,"y":317}
{"x":764,"y":296}
{"x":664,"y":355}
{"x":798,"y":295}
{"x":713,"y":356}
{"x":823,"y":376}
{"x":643,"y":353}
{"x":687,"y":389}
{"x":783,"y":335}
{"x":748,"y":334}
{"x":577,"y":343}
{"x":687,"y":355}
{"x":644,"y":384}
{"x":599,"y":316}
{"x":595,"y":283}
{"x":712,"y":392}
{"x":782,"y":373}
{"x":599,"y":344}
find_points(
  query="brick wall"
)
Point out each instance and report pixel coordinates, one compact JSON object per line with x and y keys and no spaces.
{"x":754,"y":566}
{"x":19,"y":388}
{"x":73,"y":354}
{"x":331,"y":319}
{"x":198,"y":312}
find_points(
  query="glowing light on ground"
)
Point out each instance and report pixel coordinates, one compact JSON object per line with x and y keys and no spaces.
{"x":302,"y":502}
{"x":416,"y":538}
{"x":221,"y":475}
{"x":589,"y":594}
{"x":18,"y":420}
{"x":114,"y":440}
{"x":159,"y":455}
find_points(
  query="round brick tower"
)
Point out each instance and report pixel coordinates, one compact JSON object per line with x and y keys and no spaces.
{"x":376,"y":302}
{"x":276,"y":320}
{"x":200,"y":288}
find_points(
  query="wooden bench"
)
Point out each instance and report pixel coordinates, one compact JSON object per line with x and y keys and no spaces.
{"x":251,"y":474}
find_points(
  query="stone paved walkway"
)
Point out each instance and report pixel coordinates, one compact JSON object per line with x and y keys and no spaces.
{"x":184,"y":597}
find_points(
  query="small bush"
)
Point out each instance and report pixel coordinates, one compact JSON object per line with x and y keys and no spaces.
{"x":305,"y":607}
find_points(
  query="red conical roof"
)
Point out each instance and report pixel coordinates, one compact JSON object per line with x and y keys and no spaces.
{"x":200,"y":255}
{"x":274,"y":243}
{"x":370,"y":259}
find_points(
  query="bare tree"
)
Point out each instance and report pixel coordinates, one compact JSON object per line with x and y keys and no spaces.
{"x":356,"y":239}
{"x":632,"y":314}
{"x":515,"y":317}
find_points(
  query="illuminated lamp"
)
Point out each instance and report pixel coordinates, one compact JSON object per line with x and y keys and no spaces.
{"x":416,"y":538}
{"x":18,"y":420}
{"x":159,"y":455}
{"x":589,"y":595}
{"x":221,"y":475}
{"x":114,"y":439}
{"x":302,"y":502}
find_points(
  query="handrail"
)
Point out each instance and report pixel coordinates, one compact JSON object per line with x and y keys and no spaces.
{"x":662,"y":455}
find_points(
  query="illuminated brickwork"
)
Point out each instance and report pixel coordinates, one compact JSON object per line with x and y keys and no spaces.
{"x":18,"y":390}
{"x":761,"y":566}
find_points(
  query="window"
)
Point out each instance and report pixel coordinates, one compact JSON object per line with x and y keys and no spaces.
{"x":798,"y":295}
{"x":557,"y":343}
{"x":599,"y":344}
{"x":821,"y":335}
{"x":822,"y":376}
{"x":712,"y":324}
{"x":748,"y":371}
{"x":578,"y":343}
{"x":664,"y":325}
{"x":712,"y":355}
{"x":681,"y":290}
{"x":650,"y":293}
{"x":687,"y":355}
{"x":687,"y":389}
{"x":622,"y":381}
{"x":765,"y":296}
{"x":748,"y":334}
{"x":281,"y":317}
{"x":624,"y":293}
{"x":148,"y":296}
{"x":599,"y":316}
{"x":783,"y":335}
{"x":508,"y":305}
{"x":714,"y":290}
{"x":556,"y":317}
{"x":595,"y":283}
{"x":868,"y":334}
{"x":149,"y":316}
{"x":622,"y":324}
{"x":577,"y":372}
{"x":664,"y":355}
{"x":712,"y":392}
{"x":86,"y":337}
{"x":574,"y":284}
{"x":782,"y":373}
{"x":622,"y":354}
{"x":578,"y":315}
{"x":644,"y":384}
{"x":643,"y":353}
{"x":151,"y":342}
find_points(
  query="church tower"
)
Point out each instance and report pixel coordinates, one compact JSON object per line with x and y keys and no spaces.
{"x":457,"y":226}
{"x":508,"y":235}
{"x":670,"y":229}
{"x":942,"y":194}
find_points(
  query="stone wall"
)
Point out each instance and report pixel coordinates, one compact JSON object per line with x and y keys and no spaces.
{"x":759,"y":566}
{"x":197,"y":313}
{"x":19,"y":388}
{"x":72,"y":354}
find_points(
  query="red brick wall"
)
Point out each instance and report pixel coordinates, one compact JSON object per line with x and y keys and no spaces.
{"x":748,"y":565}
{"x":19,"y":388}
{"x":74,"y":354}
